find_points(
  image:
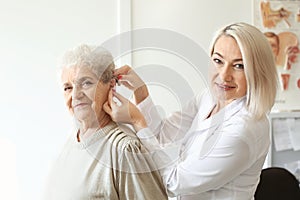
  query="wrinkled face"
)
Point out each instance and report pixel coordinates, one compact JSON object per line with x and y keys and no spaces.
{"x":83,"y":92}
{"x":228,"y":77}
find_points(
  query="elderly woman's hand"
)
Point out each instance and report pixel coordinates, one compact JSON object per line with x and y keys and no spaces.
{"x":127,"y":77}
{"x":124,"y":111}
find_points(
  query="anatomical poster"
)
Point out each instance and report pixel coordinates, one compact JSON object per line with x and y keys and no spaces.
{"x":280,"y":23}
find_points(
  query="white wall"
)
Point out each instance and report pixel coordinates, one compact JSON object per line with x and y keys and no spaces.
{"x":34,"y":121}
{"x":195,"y":19}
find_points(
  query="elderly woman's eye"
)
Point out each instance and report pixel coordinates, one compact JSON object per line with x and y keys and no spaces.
{"x":67,"y":88}
{"x":86,"y":83}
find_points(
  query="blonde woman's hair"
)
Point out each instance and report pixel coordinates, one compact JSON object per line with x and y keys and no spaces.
{"x":259,"y":66}
{"x":97,"y":58}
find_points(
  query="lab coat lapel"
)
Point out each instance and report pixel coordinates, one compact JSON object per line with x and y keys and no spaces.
{"x":220,"y":117}
{"x":212,"y":134}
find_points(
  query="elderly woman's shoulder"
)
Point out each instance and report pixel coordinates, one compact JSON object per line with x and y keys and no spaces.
{"x":125,"y":139}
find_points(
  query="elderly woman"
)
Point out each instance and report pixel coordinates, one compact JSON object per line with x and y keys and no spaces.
{"x":225,"y":129}
{"x":100,"y":160}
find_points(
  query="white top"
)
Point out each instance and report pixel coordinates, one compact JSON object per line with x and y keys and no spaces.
{"x":218,"y":158}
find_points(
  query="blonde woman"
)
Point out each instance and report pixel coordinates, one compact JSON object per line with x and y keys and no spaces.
{"x":224,"y":132}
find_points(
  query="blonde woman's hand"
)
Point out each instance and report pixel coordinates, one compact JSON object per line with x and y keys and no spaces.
{"x":122,"y":110}
{"x":129,"y":78}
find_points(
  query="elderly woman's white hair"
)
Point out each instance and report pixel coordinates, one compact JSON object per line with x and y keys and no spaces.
{"x":97,"y":58}
{"x":259,"y":65}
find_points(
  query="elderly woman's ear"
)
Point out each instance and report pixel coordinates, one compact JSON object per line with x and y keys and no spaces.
{"x":113,"y":82}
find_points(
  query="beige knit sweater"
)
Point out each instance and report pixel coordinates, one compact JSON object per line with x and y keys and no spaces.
{"x":107,"y":165}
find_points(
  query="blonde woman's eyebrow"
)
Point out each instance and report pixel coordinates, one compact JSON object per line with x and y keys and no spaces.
{"x":218,"y":54}
{"x":238,"y":60}
{"x":234,"y":60}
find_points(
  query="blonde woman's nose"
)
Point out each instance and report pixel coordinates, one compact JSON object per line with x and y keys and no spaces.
{"x":225,"y":73}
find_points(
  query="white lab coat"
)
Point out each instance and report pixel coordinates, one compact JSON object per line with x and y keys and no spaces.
{"x":219,"y":158}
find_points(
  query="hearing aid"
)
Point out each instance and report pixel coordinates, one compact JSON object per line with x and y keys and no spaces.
{"x":117,"y":80}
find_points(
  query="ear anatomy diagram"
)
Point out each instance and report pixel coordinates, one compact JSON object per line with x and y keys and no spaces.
{"x":279,"y":20}
{"x":285,"y":47}
{"x":285,"y":78}
{"x":272,"y":17}
{"x":288,"y":49}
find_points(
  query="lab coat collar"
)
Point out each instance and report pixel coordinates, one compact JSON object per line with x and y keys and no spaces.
{"x":223,"y":115}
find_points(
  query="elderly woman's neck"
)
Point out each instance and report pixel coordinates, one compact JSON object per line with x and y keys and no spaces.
{"x":89,"y":127}
{"x":104,"y":120}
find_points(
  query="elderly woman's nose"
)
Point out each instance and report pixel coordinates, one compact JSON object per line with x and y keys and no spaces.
{"x":76,"y":92}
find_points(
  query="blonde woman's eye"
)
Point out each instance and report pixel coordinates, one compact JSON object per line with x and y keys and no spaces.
{"x":217,"y":62}
{"x":239,"y":66}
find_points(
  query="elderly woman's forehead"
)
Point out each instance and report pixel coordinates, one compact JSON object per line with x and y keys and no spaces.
{"x":75,"y":72}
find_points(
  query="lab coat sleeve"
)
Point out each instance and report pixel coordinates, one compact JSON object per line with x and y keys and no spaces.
{"x":174,"y":127}
{"x":226,"y":159}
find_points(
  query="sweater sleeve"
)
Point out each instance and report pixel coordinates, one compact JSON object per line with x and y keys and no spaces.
{"x":138,"y":176}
